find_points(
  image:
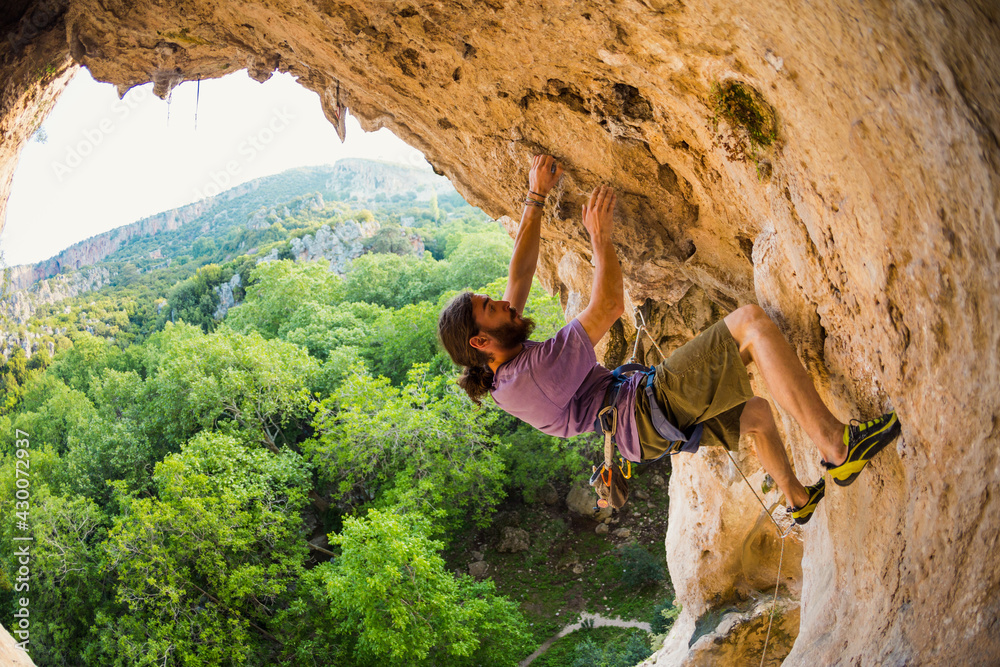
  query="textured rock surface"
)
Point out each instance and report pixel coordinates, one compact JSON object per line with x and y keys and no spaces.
{"x":738,"y":638}
{"x":18,"y":306}
{"x":514,"y":540}
{"x":582,"y":500}
{"x":339,"y":246}
{"x":226,"y":297}
{"x":870,"y":232}
{"x":10,"y":654}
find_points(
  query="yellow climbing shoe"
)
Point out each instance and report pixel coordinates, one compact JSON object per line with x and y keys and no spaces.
{"x":801,"y":515}
{"x":863,"y":442}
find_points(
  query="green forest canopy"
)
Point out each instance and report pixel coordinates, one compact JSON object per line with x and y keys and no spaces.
{"x":185,"y":470}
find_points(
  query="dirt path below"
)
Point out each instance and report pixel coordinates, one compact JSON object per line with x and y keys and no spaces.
{"x":599,"y":621}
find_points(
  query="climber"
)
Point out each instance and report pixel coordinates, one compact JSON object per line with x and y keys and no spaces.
{"x":702,"y":391}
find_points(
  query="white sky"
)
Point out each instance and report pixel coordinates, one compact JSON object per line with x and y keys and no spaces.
{"x":109,"y":162}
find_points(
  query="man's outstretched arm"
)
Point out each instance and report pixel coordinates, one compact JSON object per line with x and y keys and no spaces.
{"x":544,"y":174}
{"x":607,"y":298}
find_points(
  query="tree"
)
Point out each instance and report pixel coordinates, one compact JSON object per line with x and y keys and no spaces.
{"x":79,"y":364}
{"x":322,"y":328}
{"x":195,"y":300}
{"x":257,"y":384}
{"x":204,"y":246}
{"x":435,"y":211}
{"x":389,"y":598}
{"x":403,"y":337}
{"x":40,"y":360}
{"x":67,"y":587}
{"x":479,"y":259}
{"x":625,"y":652}
{"x":390,"y":239}
{"x":13,"y":375}
{"x":280,"y":288}
{"x":417,"y":448}
{"x":392,"y":280}
{"x":51,"y":412}
{"x":113,"y":444}
{"x":201,"y":567}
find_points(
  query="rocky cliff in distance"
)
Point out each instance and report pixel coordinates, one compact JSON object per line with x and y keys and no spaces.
{"x":354,"y":179}
{"x":366,"y":179}
{"x":869,"y":230}
{"x":97,"y":247}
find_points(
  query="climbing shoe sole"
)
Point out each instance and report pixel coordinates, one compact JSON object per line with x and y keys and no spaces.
{"x":801,"y":515}
{"x":863,"y":442}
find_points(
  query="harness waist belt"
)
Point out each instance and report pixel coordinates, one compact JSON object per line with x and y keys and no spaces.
{"x":680,"y":442}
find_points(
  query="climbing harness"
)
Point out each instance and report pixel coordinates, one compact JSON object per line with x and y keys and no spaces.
{"x":660,"y":422}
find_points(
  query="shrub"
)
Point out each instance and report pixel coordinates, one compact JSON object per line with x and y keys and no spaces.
{"x":639,"y":567}
{"x":625,"y":652}
{"x":664,"y":615}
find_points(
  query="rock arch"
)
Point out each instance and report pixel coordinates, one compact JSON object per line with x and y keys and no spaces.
{"x":869,"y":229}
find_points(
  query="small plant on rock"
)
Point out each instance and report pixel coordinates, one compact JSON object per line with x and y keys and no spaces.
{"x":753,"y":121}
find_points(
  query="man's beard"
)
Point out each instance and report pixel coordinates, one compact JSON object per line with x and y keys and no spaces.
{"x":513,"y":333}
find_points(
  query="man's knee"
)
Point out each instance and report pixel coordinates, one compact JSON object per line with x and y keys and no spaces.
{"x":747,"y":322}
{"x":756,"y":416}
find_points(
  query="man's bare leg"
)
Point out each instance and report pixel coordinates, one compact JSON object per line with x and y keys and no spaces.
{"x":786,"y":379}
{"x":758,"y":420}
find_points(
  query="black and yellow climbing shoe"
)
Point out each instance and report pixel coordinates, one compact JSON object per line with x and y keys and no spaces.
{"x":801,"y":515}
{"x":863,"y":442}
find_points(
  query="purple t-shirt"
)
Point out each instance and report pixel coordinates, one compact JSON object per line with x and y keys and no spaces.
{"x":558,"y":387}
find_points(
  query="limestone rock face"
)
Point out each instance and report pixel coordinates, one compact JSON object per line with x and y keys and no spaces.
{"x":735,"y":637}
{"x":868,"y":230}
{"x":10,"y":654}
{"x":226,"y":297}
{"x":339,"y":246}
{"x":19,"y":305}
{"x":363,"y":179}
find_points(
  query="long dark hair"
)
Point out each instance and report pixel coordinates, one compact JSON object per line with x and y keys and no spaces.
{"x":456,"y":325}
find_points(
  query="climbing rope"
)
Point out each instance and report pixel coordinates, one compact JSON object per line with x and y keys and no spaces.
{"x":640,"y":326}
{"x":782,"y":535}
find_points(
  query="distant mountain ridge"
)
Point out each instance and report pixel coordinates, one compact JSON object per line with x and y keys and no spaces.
{"x":347,"y":179}
{"x":94,"y":249}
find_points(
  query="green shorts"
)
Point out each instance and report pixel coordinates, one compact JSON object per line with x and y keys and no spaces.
{"x":703,"y":382}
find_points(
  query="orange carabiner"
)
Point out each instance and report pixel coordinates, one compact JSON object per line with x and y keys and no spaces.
{"x":627,"y":475}
{"x":607,"y":482}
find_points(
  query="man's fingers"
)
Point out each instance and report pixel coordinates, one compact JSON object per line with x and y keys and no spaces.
{"x":602,"y":194}
{"x":609,"y":199}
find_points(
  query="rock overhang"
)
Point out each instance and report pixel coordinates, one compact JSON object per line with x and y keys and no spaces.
{"x":868,"y":229}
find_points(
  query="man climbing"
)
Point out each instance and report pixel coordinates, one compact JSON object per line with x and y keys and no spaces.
{"x":702,"y":391}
